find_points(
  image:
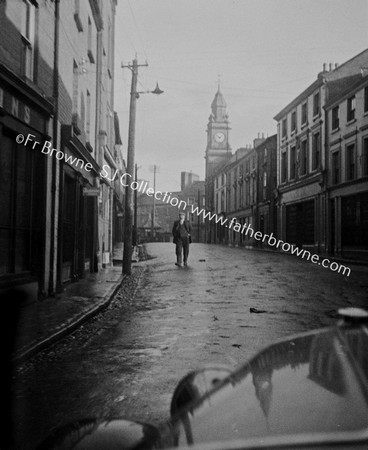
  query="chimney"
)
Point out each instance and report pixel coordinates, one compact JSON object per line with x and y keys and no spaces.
{"x":330,"y":67}
{"x":336,"y":65}
{"x":324,"y":67}
{"x":258,"y":140}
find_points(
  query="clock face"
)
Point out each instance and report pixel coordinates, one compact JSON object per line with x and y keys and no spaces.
{"x":219,"y":137}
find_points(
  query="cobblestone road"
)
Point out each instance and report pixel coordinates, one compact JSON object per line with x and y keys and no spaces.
{"x":201,"y":314}
{"x":180,"y":319}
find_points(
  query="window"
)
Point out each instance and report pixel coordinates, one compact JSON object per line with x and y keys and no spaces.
{"x":365,"y":156}
{"x":316,"y":151}
{"x":28,"y":38}
{"x":283,"y":167}
{"x":316,"y":104}
{"x":110,"y":47}
{"x":293,"y":121}
{"x":77,"y":18}
{"x":264,"y":185}
{"x":304,"y":113}
{"x":292,"y":163}
{"x":335,"y":168}
{"x":247,"y":193}
{"x":21,"y":201}
{"x":335,"y":118}
{"x":303,"y":157}
{"x":247,"y":166}
{"x":88,"y":117}
{"x":284,"y":128}
{"x":350,"y":162}
{"x":89,"y":40}
{"x":75,"y":87}
{"x":351,"y":108}
{"x":366,"y":99}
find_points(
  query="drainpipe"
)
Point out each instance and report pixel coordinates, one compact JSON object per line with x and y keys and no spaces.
{"x":55,"y":140}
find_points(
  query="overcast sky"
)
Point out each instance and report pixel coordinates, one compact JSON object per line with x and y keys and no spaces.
{"x":264,"y":51}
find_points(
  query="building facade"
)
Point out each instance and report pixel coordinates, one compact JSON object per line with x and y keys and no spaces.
{"x":56,"y":73}
{"x":26,"y":109}
{"x":347,"y":156}
{"x":302,"y":165}
{"x":266,"y":207}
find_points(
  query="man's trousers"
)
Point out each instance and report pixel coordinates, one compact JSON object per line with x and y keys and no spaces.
{"x":182,"y":250}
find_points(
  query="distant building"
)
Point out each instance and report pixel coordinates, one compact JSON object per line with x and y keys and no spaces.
{"x":266,"y":212}
{"x":155,"y":219}
{"x":217,"y":150}
{"x":188,"y":178}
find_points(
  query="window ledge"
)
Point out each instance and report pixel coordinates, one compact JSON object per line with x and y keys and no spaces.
{"x":335,"y":130}
{"x":350,"y":122}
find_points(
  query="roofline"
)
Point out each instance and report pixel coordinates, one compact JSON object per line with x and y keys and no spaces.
{"x":319,"y":82}
{"x":311,"y":88}
{"x":347,"y":93}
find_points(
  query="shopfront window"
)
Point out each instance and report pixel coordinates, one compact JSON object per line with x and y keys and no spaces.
{"x":21,"y":200}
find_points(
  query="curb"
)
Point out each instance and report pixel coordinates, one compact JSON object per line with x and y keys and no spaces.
{"x":22,"y":356}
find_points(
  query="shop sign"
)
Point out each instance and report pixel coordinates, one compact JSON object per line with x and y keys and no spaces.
{"x":21,"y":110}
{"x":91,"y":192}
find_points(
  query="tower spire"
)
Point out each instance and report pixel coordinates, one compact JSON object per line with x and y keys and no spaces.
{"x":218,"y":82}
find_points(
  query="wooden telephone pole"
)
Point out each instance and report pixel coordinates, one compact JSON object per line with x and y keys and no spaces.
{"x":128,"y":228}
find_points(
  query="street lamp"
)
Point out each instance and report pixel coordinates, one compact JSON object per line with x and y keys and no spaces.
{"x":128,"y":232}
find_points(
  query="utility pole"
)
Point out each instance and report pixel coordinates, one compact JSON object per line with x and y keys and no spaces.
{"x":153,"y":204}
{"x":135,"y":228}
{"x":128,"y":249}
{"x":128,"y":232}
{"x":199,"y":205}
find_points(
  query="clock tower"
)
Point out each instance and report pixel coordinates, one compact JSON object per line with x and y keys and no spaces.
{"x":218,"y":147}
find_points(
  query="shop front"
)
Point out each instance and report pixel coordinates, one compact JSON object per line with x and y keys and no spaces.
{"x":79,"y":193}
{"x":24,"y":126}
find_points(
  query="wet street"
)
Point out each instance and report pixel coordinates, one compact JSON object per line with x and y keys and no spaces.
{"x":226,"y":305}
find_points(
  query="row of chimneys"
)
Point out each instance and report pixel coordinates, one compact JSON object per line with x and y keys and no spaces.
{"x":330,"y":67}
{"x":256,"y":141}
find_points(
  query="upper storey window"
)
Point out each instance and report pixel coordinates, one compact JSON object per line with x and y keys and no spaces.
{"x":316,"y":104}
{"x":304,"y":113}
{"x":284,"y":128}
{"x":28,"y":38}
{"x":351,"y":108}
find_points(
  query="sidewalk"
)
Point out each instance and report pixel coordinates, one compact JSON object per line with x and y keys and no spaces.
{"x":44,"y":322}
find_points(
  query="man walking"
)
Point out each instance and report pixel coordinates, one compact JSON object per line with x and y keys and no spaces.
{"x":182,"y":238}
